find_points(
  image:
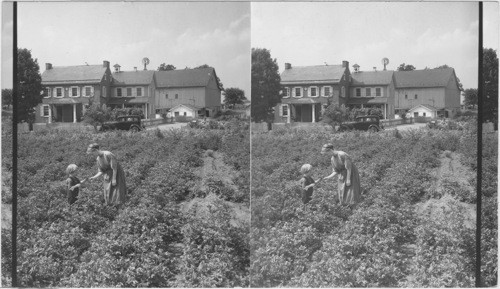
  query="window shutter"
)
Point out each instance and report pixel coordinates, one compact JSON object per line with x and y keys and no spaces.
{"x":92,"y":91}
{"x":41,"y":110}
{"x":281,"y":110}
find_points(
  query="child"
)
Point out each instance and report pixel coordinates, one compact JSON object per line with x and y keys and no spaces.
{"x":73,"y":184}
{"x":307,"y":183}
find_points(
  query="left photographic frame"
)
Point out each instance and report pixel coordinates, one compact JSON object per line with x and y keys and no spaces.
{"x":132,"y":144}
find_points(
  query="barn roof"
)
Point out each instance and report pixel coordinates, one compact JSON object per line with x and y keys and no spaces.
{"x":423,"y":78}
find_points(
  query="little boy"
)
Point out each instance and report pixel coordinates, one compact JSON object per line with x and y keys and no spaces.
{"x":73,"y":184}
{"x":307,"y":183}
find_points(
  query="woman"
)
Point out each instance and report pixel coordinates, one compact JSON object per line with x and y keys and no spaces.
{"x":349,"y":189}
{"x":114,"y":184}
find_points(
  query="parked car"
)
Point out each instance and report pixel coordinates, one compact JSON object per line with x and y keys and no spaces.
{"x":366,"y":123}
{"x":129,"y":122}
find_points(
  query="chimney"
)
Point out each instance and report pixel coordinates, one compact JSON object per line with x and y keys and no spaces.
{"x":288,"y":65}
{"x":345,"y":64}
{"x":375,"y":68}
{"x":105,"y":64}
{"x":48,"y":66}
{"x":356,"y":68}
{"x":117,"y":67}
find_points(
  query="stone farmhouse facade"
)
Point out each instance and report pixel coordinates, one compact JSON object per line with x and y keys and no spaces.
{"x":70,"y":90}
{"x":309,"y":89}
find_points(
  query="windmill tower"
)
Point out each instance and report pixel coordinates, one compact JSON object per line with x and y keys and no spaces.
{"x":385,"y":61}
{"x":145,"y":61}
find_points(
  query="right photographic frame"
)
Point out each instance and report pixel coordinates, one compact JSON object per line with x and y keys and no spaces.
{"x":371,"y":134}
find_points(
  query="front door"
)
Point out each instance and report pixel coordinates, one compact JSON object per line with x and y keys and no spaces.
{"x":306,"y":113}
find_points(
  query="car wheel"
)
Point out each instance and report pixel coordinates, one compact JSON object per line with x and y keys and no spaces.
{"x":373,"y":129}
{"x":134,"y":129}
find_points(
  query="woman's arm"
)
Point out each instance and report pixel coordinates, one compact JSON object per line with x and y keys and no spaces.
{"x":334,"y":173}
{"x":96,"y":176}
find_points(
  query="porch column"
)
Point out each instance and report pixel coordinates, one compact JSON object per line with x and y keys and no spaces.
{"x":74,"y":112}
{"x":385,"y":110}
{"x":314,"y":112}
{"x":50,"y":113}
{"x":289,"y":117}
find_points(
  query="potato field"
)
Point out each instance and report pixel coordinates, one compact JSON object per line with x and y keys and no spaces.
{"x":180,"y":226}
{"x":415,"y":225}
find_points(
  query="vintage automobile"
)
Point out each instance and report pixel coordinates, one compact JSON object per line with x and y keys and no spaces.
{"x":128,"y":122}
{"x":366,"y":123}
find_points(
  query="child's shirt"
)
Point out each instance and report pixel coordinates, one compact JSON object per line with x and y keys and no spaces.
{"x":72,"y":194}
{"x":307,"y":193}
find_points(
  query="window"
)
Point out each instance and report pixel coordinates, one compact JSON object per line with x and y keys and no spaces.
{"x":119,"y":92}
{"x":74,"y":91}
{"x":46,"y":92}
{"x":378,"y":91}
{"x":416,"y":96}
{"x":87,"y":91}
{"x":286,"y":92}
{"x":284,"y":110}
{"x":415,"y":114}
{"x":406,"y":96}
{"x":176,"y":96}
{"x":368,"y":91}
{"x":59,"y":92}
{"x":343,"y":91}
{"x":314,"y":91}
{"x":297,"y":91}
{"x":326,"y":91}
{"x":184,"y":113}
{"x":129,"y":91}
{"x":139,"y":91}
{"x":424,"y":113}
{"x":176,"y":113}
{"x":358,"y":92}
{"x":45,"y":110}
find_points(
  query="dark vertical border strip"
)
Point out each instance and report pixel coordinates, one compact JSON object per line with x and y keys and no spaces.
{"x":14,"y":148}
{"x":479,"y":146}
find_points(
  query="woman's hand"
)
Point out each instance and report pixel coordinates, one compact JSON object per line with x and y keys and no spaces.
{"x":348,"y":182}
{"x":113,"y":182}
{"x":74,"y":187}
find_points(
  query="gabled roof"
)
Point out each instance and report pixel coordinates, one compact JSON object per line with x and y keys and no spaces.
{"x":438,"y":77}
{"x":185,"y":77}
{"x":312,"y":74}
{"x":383,"y":77}
{"x":427,"y":106}
{"x":144,"y":77}
{"x":73,"y":74}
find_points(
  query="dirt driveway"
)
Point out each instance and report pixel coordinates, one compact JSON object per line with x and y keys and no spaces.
{"x":168,"y":126}
{"x":406,"y":127}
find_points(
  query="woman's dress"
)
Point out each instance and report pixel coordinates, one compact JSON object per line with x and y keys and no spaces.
{"x":107,"y":162}
{"x":347,"y":194}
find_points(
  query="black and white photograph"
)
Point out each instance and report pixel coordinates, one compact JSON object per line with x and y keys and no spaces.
{"x":364,"y":144}
{"x":133,"y":144}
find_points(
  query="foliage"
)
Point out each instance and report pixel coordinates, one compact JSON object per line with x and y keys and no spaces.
{"x":335,"y":114}
{"x":96,"y":115}
{"x":381,"y":242}
{"x":166,"y":67}
{"x":144,"y":243}
{"x":30,"y":85}
{"x":490,"y":75}
{"x":234,"y":96}
{"x":265,"y":85}
{"x":406,"y":67}
{"x":7,"y":97}
{"x":470,"y":97}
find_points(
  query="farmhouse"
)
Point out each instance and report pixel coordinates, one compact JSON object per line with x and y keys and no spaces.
{"x":133,"y":89}
{"x":308,"y":89}
{"x":68,"y":90}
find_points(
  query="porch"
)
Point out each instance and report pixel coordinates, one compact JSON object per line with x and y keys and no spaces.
{"x":305,"y":110}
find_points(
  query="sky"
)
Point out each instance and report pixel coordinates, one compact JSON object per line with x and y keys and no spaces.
{"x":421,"y":34}
{"x":179,"y":33}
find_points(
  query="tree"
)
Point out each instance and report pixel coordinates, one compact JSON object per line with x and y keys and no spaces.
{"x":460,"y":86}
{"x":7,"y":97}
{"x":221,"y":86}
{"x":335,"y":115}
{"x":490,"y":92}
{"x":234,"y":96}
{"x":96,"y":115}
{"x":166,"y":67}
{"x":406,"y":67}
{"x":470,"y":97}
{"x":265,"y":85}
{"x":30,"y":86}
